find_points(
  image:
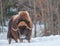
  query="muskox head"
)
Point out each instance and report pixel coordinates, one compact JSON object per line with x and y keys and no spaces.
{"x":23,"y":27}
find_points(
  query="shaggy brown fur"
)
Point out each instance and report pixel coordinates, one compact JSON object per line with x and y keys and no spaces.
{"x":13,"y":29}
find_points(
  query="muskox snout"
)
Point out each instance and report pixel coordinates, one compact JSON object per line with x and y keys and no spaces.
{"x":23,"y":36}
{"x":22,"y":29}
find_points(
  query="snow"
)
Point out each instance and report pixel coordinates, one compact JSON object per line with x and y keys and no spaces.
{"x":53,"y":40}
{"x":5,"y":28}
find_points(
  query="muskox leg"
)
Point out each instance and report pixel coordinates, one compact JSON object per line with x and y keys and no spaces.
{"x":9,"y":36}
{"x":28,"y":36}
{"x":28,"y":39}
{"x":21,"y":40}
{"x":9,"y":40}
{"x":16,"y":41}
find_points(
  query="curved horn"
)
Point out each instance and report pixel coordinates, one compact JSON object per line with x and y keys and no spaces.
{"x":27,"y":27}
{"x":14,"y":29}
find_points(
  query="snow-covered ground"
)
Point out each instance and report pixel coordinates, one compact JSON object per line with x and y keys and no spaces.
{"x":53,"y":40}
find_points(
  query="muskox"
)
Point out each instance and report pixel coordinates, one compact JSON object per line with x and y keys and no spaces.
{"x":20,"y":25}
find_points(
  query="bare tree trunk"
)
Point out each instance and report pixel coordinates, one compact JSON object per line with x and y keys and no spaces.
{"x":58,"y":19}
{"x":48,"y":18}
{"x":43,"y":16}
{"x":51,"y":15}
{"x":35,"y":18}
{"x":2,"y":14}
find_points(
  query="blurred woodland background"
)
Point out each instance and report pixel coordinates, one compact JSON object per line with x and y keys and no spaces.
{"x":42,"y":12}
